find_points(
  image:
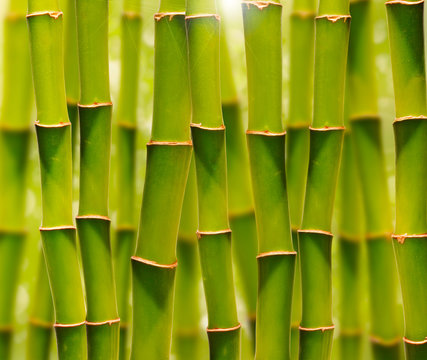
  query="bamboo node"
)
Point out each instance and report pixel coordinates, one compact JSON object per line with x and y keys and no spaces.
{"x":40,"y":323}
{"x":351,"y":332}
{"x":126,"y":125}
{"x":303,"y":14}
{"x":315,"y":231}
{"x":327,"y":128}
{"x":160,"y":16}
{"x":124,"y":325}
{"x":53,"y":14}
{"x":154,"y":263}
{"x":131,"y":15}
{"x":402,"y":2}
{"x":379,"y":340}
{"x":60,"y":227}
{"x":59,"y":125}
{"x":14,"y":16}
{"x":334,"y":18}
{"x":321,"y":328}
{"x":260,"y":4}
{"x":170,"y":143}
{"x":364,"y":117}
{"x":213,"y":330}
{"x":219,"y":128}
{"x":106,"y":322}
{"x":218,"y":232}
{"x":410,"y":117}
{"x":197,"y":16}
{"x":275,"y":253}
{"x":413,"y":342}
{"x":6,"y":328}
{"x":95,"y":105}
{"x":58,"y":325}
{"x":402,"y":237}
{"x":265,"y":133}
{"x":98,"y":217}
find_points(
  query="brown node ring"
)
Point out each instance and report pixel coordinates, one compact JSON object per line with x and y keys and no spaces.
{"x":131,"y":15}
{"x":275,"y":253}
{"x":334,"y":18}
{"x":381,"y":341}
{"x":170,"y":143}
{"x":322,"y":328}
{"x":154,"y":263}
{"x":95,"y":105}
{"x":53,"y":14}
{"x":60,"y":227}
{"x":106,"y":322}
{"x":214,"y":330}
{"x":40,"y":323}
{"x":260,"y":4}
{"x":364,"y":117}
{"x":57,"y":325}
{"x":402,"y":237}
{"x":315,"y":231}
{"x":197,"y":16}
{"x":265,"y":133}
{"x":413,"y":342}
{"x":219,"y":128}
{"x":375,"y":236}
{"x":59,"y":125}
{"x":97,"y":217}
{"x":160,"y":16}
{"x":126,"y":125}
{"x":409,"y":117}
{"x":303,"y":14}
{"x":327,"y":128}
{"x":218,"y":232}
{"x":401,"y":2}
{"x":6,"y":328}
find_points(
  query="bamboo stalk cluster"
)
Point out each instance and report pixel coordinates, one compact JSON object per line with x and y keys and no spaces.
{"x":252,"y":220}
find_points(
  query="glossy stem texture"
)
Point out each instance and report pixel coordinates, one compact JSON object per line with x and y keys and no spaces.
{"x":187,"y":313}
{"x":168,"y":161}
{"x":266,"y":144}
{"x":240,"y":202}
{"x":93,"y":224}
{"x":326,"y":134}
{"x":54,"y":143}
{"x":14,"y":144}
{"x":406,"y":35}
{"x":208,"y":133}
{"x":131,"y":28}
{"x":298,"y":134}
{"x":366,"y":133}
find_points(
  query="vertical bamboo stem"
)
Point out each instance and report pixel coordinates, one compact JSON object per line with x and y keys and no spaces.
{"x":406,"y":34}
{"x":131,"y":28}
{"x":241,"y":208}
{"x":266,"y":144}
{"x":208,"y":134}
{"x":168,"y":161}
{"x":365,"y":130}
{"x":14,"y":141}
{"x":54,"y":141}
{"x":298,"y":134}
{"x":326,"y":134}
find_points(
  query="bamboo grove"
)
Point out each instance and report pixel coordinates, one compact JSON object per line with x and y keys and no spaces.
{"x":213,"y":179}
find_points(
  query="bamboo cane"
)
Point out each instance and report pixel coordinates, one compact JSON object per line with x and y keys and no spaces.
{"x":208,"y":134}
{"x":365,"y":129}
{"x":266,"y":144}
{"x":326,"y":133}
{"x":241,"y":208}
{"x":186,"y":332}
{"x":131,"y":27}
{"x":406,"y":34}
{"x":298,"y":134}
{"x":14,"y":141}
{"x":93,"y":224}
{"x":168,"y":161}
{"x":54,"y":141}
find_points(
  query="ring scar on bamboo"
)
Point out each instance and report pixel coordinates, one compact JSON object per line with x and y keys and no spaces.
{"x":322,"y":328}
{"x":379,"y":340}
{"x":58,"y":325}
{"x":327,"y":128}
{"x":265,"y":133}
{"x":199,"y":126}
{"x":106,"y":322}
{"x":59,"y":125}
{"x":170,"y":143}
{"x":196,"y":16}
{"x":238,"y":326}
{"x":334,"y":18}
{"x":412,"y":342}
{"x":275,"y":253}
{"x":154,"y":263}
{"x":402,"y":2}
{"x":53,"y":228}
{"x":53,"y":14}
{"x":261,"y":4}
{"x":218,"y":232}
{"x":315,"y":231}
{"x":402,"y":237}
{"x":95,"y":104}
{"x":410,"y":117}
{"x":160,"y":16}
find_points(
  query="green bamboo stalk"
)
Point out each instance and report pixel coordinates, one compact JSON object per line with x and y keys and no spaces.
{"x":266,"y":143}
{"x":208,"y":134}
{"x":41,"y":317}
{"x":93,"y":224}
{"x":131,"y":27}
{"x":326,"y":134}
{"x":406,"y":34}
{"x":168,"y":161}
{"x":365,"y":129}
{"x":241,"y":208}
{"x":54,"y":141}
{"x":186,"y":332}
{"x":14,"y":141}
{"x":298,"y":134}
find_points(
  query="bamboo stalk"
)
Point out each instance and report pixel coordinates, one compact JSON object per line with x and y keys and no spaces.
{"x":93,"y":224}
{"x":131,"y":28}
{"x":54,"y":141}
{"x":186,"y":332}
{"x":208,"y":134}
{"x":326,"y":134}
{"x":365,"y":129}
{"x":168,"y":161}
{"x":266,"y":144}
{"x":406,"y":34}
{"x":14,"y":143}
{"x":298,"y":134}
{"x":241,"y":208}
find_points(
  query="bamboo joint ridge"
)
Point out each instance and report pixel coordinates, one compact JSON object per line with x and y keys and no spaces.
{"x":197,"y":16}
{"x":234,"y":328}
{"x":275,"y":253}
{"x":261,"y":4}
{"x":265,"y":133}
{"x":321,"y":328}
{"x":402,"y":2}
{"x":402,"y":237}
{"x":218,"y":232}
{"x":160,"y":16}
{"x":53,"y":14}
{"x":154,"y":263}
